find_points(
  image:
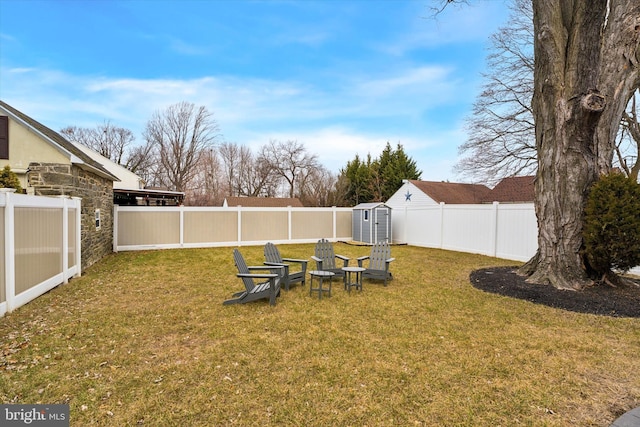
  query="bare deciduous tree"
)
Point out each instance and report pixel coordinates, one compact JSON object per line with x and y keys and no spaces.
{"x":501,"y":137}
{"x":142,"y":160}
{"x":587,"y":67}
{"x":318,"y":188}
{"x":289,"y":160}
{"x":230,"y":158}
{"x":206,"y":188}
{"x":117,"y":144}
{"x":181,"y":134}
{"x":501,"y":129}
{"x":110,"y":141}
{"x":257,"y":178}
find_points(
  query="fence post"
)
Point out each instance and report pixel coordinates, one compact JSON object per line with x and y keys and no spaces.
{"x":78,"y":234}
{"x":181,"y":226}
{"x":239,"y":208}
{"x":335,"y":219}
{"x":65,"y":239}
{"x":441,"y":225}
{"x":494,"y":231}
{"x":115,"y":228}
{"x":289,"y":216}
{"x":9,"y":252}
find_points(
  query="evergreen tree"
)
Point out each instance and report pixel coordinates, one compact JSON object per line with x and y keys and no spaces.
{"x":378,"y":180}
{"x":358,"y":175}
{"x":399,"y":167}
{"x":612,"y":225}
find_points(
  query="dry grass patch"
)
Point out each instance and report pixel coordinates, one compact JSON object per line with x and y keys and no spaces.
{"x":143,"y":339}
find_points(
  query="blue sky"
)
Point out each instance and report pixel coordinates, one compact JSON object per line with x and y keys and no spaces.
{"x":342,"y":77}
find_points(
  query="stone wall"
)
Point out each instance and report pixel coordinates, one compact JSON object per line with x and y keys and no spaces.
{"x":51,"y":179}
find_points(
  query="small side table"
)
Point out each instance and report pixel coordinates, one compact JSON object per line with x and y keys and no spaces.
{"x":320,"y":277}
{"x":349,"y":282}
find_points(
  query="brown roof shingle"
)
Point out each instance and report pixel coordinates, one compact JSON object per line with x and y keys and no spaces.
{"x":514,"y":189}
{"x":452,"y":192}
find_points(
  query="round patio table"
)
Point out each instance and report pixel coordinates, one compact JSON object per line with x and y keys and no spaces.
{"x":320,"y":277}
{"x":350,"y":282}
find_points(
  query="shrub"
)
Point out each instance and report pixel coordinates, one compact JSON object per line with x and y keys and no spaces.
{"x":612,"y":224}
{"x":9,"y":179}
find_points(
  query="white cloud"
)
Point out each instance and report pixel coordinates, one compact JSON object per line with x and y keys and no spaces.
{"x":334,"y":125}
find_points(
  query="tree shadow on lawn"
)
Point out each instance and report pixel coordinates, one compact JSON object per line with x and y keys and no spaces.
{"x":603,"y":300}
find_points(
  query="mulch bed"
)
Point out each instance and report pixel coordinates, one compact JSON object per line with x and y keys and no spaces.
{"x":604,"y":300}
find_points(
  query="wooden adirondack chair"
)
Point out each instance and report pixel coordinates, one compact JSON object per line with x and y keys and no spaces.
{"x":325,"y":258}
{"x":268,"y":289}
{"x":272,"y":257}
{"x":379,"y":261}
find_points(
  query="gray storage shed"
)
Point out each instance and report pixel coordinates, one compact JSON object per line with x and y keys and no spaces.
{"x":371,"y":223}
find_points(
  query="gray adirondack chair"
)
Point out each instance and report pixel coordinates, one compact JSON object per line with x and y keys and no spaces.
{"x":379,"y":261}
{"x":268,"y":288}
{"x":325,"y":258}
{"x":272,"y":257}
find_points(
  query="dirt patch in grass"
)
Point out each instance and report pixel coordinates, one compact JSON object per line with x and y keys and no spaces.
{"x":604,"y":300}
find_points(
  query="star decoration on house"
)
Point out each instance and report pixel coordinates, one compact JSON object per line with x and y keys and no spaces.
{"x":407,"y":197}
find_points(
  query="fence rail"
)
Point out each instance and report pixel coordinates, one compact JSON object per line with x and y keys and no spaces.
{"x":41,"y":246}
{"x":139,"y":228}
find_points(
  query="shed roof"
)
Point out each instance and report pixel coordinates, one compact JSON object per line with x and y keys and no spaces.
{"x":371,"y":205}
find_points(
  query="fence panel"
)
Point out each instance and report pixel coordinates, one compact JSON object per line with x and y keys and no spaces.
{"x":259,"y":225}
{"x":141,"y":227}
{"x":153,"y":227}
{"x":517,"y":232}
{"x":422,"y":226}
{"x":38,"y":246}
{"x":502,"y":230}
{"x":203,"y":226}
{"x":314,"y":225}
{"x":41,"y":247}
{"x":468,"y":228}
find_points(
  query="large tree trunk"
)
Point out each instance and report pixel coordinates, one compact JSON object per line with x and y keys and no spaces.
{"x":586,"y":68}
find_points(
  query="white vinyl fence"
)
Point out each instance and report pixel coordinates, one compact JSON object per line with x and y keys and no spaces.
{"x":142,"y":227}
{"x":41,"y":246}
{"x":508,"y":231}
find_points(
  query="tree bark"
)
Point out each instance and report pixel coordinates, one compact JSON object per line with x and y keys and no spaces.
{"x":586,"y":69}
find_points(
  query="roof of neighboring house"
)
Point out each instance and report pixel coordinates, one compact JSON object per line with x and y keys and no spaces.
{"x":514,"y":189}
{"x":77,"y":156}
{"x":453,"y":193}
{"x":263,"y":202}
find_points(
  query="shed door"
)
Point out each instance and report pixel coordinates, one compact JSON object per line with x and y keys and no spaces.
{"x":382,"y":225}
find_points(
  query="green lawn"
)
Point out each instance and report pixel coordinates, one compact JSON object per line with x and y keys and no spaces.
{"x":143,"y":339}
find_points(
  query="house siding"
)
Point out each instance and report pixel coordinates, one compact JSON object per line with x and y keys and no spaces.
{"x":399,"y":204}
{"x":418,"y":198}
